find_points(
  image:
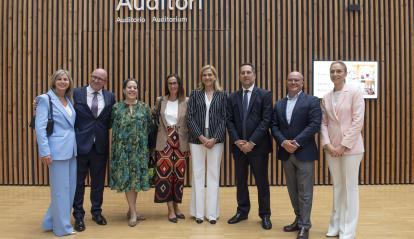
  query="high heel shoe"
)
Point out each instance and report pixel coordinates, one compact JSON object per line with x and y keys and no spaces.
{"x":139,"y":217}
{"x":132,"y":222}
{"x":180,"y":216}
{"x":173,"y":219}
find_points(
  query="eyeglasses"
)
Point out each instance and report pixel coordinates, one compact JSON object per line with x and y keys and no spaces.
{"x":97,"y":78}
{"x":293,"y":80}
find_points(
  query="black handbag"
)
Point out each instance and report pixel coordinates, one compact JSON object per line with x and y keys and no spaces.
{"x":155,"y":122}
{"x":50,"y":122}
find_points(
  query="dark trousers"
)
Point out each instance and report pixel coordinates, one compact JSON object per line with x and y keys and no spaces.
{"x":299,"y":181}
{"x":95,"y":164}
{"x":258,"y":165}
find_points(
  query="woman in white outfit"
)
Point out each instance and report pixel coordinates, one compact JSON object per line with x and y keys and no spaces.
{"x":206,"y":133}
{"x":342,"y":122}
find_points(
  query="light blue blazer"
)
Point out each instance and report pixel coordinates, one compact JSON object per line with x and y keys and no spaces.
{"x":61,"y":145}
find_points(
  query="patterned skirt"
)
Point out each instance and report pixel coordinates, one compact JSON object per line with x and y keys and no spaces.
{"x":171,"y":165}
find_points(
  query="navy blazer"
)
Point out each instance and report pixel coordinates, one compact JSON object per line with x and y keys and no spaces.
{"x":304,"y":124}
{"x":88,"y":127}
{"x":259,"y":115}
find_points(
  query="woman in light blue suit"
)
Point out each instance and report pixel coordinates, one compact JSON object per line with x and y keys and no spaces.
{"x":58,"y":151}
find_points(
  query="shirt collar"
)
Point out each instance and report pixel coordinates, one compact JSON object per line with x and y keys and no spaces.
{"x":89,"y":90}
{"x":250,"y":88}
{"x":294,"y":97}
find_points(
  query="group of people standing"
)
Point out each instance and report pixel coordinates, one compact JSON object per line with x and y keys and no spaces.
{"x":196,"y":127}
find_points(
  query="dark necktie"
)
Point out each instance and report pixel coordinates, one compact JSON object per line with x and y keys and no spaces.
{"x":94,"y":106}
{"x":245,"y":108}
{"x":245,"y":103}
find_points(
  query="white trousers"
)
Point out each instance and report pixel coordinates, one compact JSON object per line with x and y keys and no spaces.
{"x":200,"y":205}
{"x":344,"y":217}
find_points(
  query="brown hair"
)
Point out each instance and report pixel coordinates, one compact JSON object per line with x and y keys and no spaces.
{"x":181,"y":92}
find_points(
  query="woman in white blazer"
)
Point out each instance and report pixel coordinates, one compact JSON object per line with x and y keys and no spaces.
{"x":58,"y":151}
{"x":342,"y":122}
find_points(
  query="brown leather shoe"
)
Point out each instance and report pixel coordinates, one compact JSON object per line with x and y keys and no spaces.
{"x":292,"y":227}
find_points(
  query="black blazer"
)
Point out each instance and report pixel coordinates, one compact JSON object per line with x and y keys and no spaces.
{"x":87,"y":128}
{"x":196,"y":116}
{"x":304,"y":124}
{"x":257,"y":122}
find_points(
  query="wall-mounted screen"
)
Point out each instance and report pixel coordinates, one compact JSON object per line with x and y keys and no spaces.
{"x":361,"y":73}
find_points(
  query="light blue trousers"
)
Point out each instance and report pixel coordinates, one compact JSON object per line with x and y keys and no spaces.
{"x":62,"y":177}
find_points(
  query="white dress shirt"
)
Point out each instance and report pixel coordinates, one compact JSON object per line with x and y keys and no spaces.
{"x":291,"y":102}
{"x":89,"y":98}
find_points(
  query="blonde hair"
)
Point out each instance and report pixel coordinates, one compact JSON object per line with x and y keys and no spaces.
{"x":56,"y":76}
{"x":216,"y":81}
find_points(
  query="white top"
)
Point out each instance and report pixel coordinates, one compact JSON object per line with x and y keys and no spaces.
{"x":208,"y":103}
{"x":89,"y":98}
{"x":171,"y":112}
{"x":68,"y":110}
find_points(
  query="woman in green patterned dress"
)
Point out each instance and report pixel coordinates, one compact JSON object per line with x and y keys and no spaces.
{"x":129,"y":164}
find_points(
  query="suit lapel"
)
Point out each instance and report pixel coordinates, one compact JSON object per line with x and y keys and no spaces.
{"x":240,"y":103}
{"x":341,"y":99}
{"x":84,"y":100}
{"x":84,"y":97}
{"x":252,"y":99}
{"x":73,"y":117}
{"x":105,"y":95}
{"x":298,"y":102}
{"x":162,"y":110}
{"x":56,"y":103}
{"x":330,"y":105}
{"x":284,"y":105}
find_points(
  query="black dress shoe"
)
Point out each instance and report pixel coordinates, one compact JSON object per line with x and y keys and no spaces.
{"x":303,"y":233}
{"x":199,"y":220}
{"x":237,"y":218}
{"x":79,"y":225}
{"x":292,"y":227}
{"x":99,"y":219}
{"x":266,"y":223}
{"x":212,"y":221}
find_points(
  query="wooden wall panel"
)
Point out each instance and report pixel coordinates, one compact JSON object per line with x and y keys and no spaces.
{"x":40,"y":36}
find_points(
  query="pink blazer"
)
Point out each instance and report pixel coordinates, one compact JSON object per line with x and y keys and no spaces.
{"x":342,"y":125}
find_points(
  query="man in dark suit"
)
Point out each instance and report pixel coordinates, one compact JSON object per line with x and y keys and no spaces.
{"x":296,"y":119}
{"x":249,"y":116}
{"x":93,"y":107}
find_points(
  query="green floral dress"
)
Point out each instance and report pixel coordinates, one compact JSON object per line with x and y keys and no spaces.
{"x":129,"y":162}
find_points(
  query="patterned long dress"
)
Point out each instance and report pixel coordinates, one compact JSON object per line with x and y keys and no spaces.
{"x":129,"y":162}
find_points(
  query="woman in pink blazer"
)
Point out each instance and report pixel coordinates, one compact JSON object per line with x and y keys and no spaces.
{"x":342,"y":122}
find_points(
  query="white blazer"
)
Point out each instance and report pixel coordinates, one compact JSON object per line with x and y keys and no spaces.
{"x":342,"y":124}
{"x":61,"y":145}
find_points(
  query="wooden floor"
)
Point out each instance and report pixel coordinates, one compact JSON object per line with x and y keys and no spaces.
{"x":386,"y":212}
